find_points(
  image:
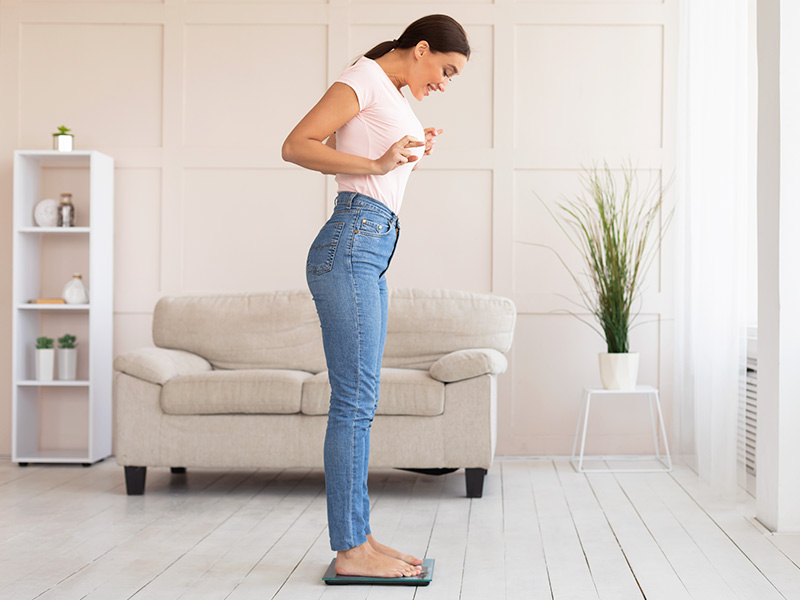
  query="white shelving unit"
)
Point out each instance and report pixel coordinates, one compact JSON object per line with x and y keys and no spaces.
{"x":26,"y":321}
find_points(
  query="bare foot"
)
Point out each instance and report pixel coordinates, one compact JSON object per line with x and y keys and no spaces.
{"x":365,"y":561}
{"x":412,"y":560}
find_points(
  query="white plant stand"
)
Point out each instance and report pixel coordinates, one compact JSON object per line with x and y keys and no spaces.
{"x":26,"y":318}
{"x":647,"y":391}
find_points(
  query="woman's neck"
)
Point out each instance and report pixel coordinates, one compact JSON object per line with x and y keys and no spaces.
{"x":394,"y":65}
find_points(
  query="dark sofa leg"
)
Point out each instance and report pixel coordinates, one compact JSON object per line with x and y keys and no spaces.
{"x":134,"y":480}
{"x":475,"y":482}
{"x":178,"y":470}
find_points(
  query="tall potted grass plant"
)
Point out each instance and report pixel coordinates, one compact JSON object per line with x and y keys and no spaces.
{"x":617,"y":231}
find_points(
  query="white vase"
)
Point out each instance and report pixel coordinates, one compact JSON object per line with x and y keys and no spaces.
{"x":45,"y":359}
{"x":619,"y":371}
{"x":75,"y":292}
{"x":67,"y":363}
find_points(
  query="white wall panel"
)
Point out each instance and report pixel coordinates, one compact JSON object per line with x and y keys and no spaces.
{"x":247,"y":229}
{"x":241,"y":89}
{"x":137,"y":233}
{"x":102,"y":80}
{"x":445,"y":238}
{"x":588,"y":86}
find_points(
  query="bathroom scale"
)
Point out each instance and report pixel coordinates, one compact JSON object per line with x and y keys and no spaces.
{"x":424,"y":578}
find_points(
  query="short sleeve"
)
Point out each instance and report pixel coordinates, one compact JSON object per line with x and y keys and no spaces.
{"x":361,"y":78}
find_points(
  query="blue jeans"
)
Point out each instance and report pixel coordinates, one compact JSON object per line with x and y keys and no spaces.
{"x":345,"y":273}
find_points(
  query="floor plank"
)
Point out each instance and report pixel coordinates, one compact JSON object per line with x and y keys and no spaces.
{"x":484,"y":563}
{"x":526,"y":568}
{"x":608,"y":564}
{"x":654,"y":574}
{"x":570,"y":575}
{"x":448,"y":540}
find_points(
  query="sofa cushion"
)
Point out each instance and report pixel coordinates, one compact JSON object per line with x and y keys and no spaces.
{"x":403,"y":392}
{"x":247,"y":391}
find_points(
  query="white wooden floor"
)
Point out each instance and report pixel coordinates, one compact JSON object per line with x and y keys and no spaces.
{"x":540,"y":531}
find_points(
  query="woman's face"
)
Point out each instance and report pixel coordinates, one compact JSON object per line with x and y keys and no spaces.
{"x":433,"y":71}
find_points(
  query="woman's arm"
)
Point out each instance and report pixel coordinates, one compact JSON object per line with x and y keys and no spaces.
{"x":305,"y":144}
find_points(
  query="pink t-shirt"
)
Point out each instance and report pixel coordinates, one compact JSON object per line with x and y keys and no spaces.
{"x":384,"y":117}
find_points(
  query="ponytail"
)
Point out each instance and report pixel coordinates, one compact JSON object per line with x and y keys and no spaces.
{"x":442,"y":32}
{"x":381,"y":49}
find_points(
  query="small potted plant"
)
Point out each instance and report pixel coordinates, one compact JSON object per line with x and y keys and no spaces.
{"x":45,"y":358}
{"x":62,"y":140}
{"x":618,"y":233}
{"x":67,"y":358}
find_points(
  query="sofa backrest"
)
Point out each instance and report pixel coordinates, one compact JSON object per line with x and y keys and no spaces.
{"x":274,"y":330}
{"x":424,"y":325}
{"x":280,"y":330}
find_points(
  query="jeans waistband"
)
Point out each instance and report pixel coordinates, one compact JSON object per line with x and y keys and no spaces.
{"x":348,"y":200}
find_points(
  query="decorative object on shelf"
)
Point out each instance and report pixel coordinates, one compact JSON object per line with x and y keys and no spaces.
{"x":45,"y":358}
{"x":74,"y":291}
{"x":67,"y":358}
{"x":612,"y":230}
{"x":62,"y":140}
{"x":45,"y":213}
{"x":66,"y":211}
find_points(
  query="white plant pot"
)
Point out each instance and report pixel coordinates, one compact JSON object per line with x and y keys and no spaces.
{"x":62,"y":142}
{"x":45,"y":360}
{"x":619,"y":371}
{"x":67,"y":363}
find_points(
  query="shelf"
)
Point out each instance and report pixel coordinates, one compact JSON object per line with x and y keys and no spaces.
{"x":55,"y":158}
{"x":54,"y":383}
{"x":55,"y":456}
{"x":54,"y":229}
{"x":53,"y":306}
{"x":36,"y":259}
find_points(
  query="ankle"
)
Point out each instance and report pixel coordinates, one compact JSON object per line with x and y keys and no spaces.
{"x":361,"y":549}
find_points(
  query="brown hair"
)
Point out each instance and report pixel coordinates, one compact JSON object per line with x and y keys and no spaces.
{"x":443,"y":34}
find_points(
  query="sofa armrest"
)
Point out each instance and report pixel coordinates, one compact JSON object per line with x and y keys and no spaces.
{"x":465,"y":364}
{"x":159,"y":365}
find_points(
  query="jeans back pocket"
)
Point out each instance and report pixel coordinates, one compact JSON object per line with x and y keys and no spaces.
{"x":323,"y":248}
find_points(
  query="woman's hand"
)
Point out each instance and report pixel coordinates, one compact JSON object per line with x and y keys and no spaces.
{"x":397,"y":154}
{"x":430,"y":139}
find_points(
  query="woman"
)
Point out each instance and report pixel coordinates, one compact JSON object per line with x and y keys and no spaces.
{"x":364,"y":131}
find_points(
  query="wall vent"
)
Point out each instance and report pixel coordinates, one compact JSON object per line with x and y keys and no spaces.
{"x":748,"y":412}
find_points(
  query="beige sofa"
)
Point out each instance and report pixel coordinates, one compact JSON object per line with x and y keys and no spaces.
{"x":239,"y":380}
